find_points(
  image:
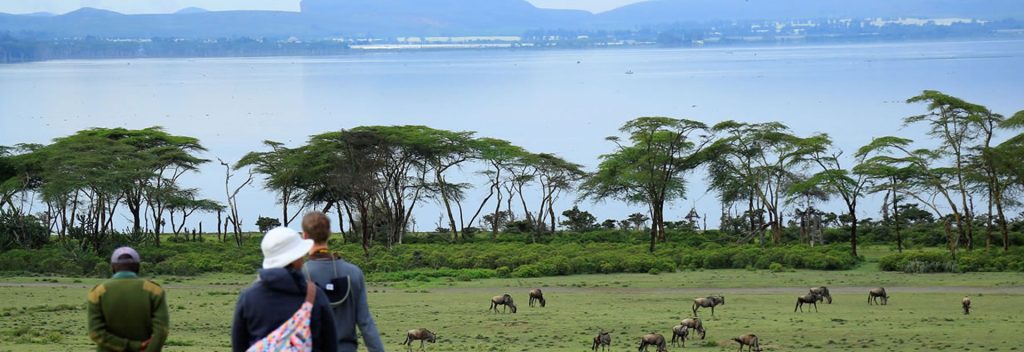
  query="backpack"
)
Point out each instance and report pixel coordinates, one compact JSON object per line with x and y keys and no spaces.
{"x":338,"y":288}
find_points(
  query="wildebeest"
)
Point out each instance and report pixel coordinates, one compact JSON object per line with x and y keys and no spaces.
{"x":503,"y":300}
{"x":967,"y":304}
{"x":655,"y":340}
{"x":823,"y":293}
{"x":708,"y":302}
{"x":679,"y":334}
{"x":810,"y":298}
{"x":748,"y":340}
{"x":537,"y":296}
{"x":423,"y":335}
{"x":696,"y":325}
{"x":878,"y":292}
{"x":603,"y":339}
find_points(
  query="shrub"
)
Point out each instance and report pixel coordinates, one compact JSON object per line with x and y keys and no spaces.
{"x":776,"y":267}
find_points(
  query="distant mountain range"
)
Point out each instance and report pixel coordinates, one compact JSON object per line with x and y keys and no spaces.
{"x":328,"y":18}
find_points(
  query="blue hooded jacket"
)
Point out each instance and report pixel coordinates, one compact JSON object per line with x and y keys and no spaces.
{"x":271,"y":301}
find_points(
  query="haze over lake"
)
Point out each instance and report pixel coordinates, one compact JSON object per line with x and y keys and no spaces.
{"x":562,"y":101}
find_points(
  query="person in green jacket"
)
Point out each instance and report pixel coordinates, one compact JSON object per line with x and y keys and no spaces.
{"x":128,"y":313}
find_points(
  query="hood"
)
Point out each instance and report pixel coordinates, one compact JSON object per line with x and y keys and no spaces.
{"x":283,"y":280}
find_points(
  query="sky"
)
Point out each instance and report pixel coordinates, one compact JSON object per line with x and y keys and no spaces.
{"x":167,"y":6}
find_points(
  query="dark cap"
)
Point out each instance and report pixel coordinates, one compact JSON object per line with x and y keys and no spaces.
{"x":120,"y":252}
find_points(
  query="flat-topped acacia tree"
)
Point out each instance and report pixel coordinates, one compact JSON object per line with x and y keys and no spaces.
{"x":649,"y":166}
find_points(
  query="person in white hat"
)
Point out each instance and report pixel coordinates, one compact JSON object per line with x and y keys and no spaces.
{"x":279,"y":293}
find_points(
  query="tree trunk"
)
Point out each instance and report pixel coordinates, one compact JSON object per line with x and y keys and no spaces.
{"x":896,"y":217}
{"x":447,"y":205}
{"x":853,"y":231}
{"x":284,"y":206}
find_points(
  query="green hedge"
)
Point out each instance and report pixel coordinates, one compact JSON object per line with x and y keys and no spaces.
{"x":464,"y":261}
{"x":967,"y":261}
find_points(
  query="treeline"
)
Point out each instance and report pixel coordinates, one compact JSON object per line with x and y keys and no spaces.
{"x":374,"y":177}
{"x":26,"y":49}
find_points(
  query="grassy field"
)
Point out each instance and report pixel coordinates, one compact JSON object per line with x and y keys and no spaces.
{"x":47,"y":314}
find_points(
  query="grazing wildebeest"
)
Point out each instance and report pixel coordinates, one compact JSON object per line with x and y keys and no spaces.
{"x":696,"y":325}
{"x":823,"y":293}
{"x":708,"y":302}
{"x":603,"y":339}
{"x":503,"y":300}
{"x":679,"y":334}
{"x":748,"y":340}
{"x":537,"y":296}
{"x":878,"y":292}
{"x":967,"y":304}
{"x":655,"y":340}
{"x":809,"y":298}
{"x":423,"y":335}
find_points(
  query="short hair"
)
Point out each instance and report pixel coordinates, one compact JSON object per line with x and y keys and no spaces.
{"x":118,"y":267}
{"x":316,"y":226}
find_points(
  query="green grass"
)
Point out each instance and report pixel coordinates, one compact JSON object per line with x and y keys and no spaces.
{"x":924,"y":314}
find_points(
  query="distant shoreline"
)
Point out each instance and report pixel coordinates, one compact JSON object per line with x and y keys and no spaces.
{"x":419,"y":48}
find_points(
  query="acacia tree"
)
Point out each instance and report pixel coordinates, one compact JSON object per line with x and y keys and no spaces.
{"x":160,"y":160}
{"x":554,"y":175}
{"x":762,"y":159}
{"x":282,"y":172}
{"x":649,"y":167}
{"x":344,"y":170}
{"x":927,"y":183}
{"x":982,"y":164}
{"x":82,"y":177}
{"x":185,"y":203}
{"x":498,"y":155}
{"x":954,"y":122}
{"x":888,"y":176}
{"x":833,"y":178}
{"x":1007,"y":161}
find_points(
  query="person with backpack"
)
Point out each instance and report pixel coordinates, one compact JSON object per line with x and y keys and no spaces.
{"x":281,"y":311}
{"x":344,"y":284}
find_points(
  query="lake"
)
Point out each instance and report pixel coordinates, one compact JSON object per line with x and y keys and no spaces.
{"x":558,"y":101}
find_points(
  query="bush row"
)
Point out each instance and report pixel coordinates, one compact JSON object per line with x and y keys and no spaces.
{"x":472,"y":260}
{"x":940,"y":262}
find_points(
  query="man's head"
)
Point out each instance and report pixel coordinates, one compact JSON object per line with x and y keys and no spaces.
{"x":125,"y":259}
{"x":317,"y":227}
{"x":284,"y":248}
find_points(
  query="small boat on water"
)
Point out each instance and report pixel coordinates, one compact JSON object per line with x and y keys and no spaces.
{"x":629,"y":72}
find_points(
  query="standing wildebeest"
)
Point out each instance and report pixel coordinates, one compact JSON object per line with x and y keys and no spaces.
{"x":967,"y":304}
{"x":748,"y":340}
{"x":679,"y":334}
{"x":878,"y":292}
{"x":696,"y":325}
{"x":708,"y":302}
{"x":537,"y":296}
{"x":603,"y":339}
{"x":822,"y":292}
{"x":423,"y":335}
{"x":503,"y":300}
{"x":653,"y":339}
{"x":810,"y":298}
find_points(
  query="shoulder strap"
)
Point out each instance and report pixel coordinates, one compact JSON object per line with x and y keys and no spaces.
{"x":310,"y":291}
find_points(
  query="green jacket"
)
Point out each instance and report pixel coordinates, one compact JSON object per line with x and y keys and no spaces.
{"x":125,"y":311}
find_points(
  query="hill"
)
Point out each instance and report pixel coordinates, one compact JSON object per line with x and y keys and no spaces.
{"x":330,"y":18}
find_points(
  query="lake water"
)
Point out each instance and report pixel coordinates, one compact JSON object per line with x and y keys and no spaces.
{"x":560,"y":101}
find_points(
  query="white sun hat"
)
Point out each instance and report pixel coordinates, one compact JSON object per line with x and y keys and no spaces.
{"x":282,"y":246}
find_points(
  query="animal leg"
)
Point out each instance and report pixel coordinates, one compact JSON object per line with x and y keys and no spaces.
{"x":815,"y":306}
